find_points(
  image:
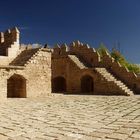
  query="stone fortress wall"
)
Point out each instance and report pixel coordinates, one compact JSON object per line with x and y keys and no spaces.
{"x":90,"y":60}
{"x":74,"y":69}
{"x":24,"y":72}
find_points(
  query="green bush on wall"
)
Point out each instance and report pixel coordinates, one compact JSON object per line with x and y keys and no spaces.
{"x":118,"y":57}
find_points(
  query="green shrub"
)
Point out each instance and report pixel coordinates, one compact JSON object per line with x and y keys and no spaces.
{"x":118,"y":57}
{"x":134,"y":68}
{"x":102,"y":49}
{"x":121,"y":59}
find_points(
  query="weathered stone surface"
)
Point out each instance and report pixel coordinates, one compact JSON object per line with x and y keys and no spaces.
{"x":27,"y":71}
{"x":70,"y":117}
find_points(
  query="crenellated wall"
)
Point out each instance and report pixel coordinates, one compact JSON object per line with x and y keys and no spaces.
{"x":83,"y":51}
{"x":74,"y":66}
{"x":9,"y":42}
{"x":9,"y":36}
{"x":79,"y":52}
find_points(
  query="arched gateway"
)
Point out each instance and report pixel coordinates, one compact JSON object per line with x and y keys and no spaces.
{"x":59,"y":84}
{"x":87,"y":84}
{"x":16,"y":86}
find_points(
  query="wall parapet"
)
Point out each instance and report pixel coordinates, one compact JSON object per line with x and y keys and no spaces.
{"x":83,"y":51}
{"x":9,"y":42}
{"x":9,"y":36}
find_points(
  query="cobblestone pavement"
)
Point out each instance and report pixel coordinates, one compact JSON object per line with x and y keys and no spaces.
{"x":71,"y":118}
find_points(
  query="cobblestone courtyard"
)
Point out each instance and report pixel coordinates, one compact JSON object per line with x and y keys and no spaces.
{"x":71,"y":118}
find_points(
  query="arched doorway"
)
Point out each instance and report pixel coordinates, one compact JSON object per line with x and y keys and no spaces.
{"x":87,"y":84}
{"x":16,"y":86}
{"x":59,"y":84}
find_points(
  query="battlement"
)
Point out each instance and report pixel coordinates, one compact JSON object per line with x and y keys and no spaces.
{"x":9,"y":42}
{"x":9,"y":36}
{"x":84,"y":51}
{"x":73,"y":66}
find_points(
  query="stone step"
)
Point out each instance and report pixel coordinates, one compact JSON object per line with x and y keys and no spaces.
{"x":77,"y":61}
{"x":23,"y":57}
{"x":129,"y":93}
{"x":109,"y":77}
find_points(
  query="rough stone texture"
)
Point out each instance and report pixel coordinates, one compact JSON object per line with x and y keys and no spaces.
{"x":36,"y":72}
{"x":129,"y":78}
{"x":24,"y":72}
{"x":71,"y":117}
{"x":77,"y":61}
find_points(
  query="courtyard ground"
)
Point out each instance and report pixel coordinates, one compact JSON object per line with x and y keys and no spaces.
{"x":71,"y":118}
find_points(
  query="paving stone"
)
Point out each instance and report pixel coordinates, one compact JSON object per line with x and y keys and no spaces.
{"x":71,"y":117}
{"x":2,"y":137}
{"x":117,"y":136}
{"x":128,"y":131}
{"x":136,"y":135}
{"x":130,"y":138}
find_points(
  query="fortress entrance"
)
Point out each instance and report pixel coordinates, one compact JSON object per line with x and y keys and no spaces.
{"x":87,"y":85}
{"x":59,"y":85}
{"x":16,"y":87}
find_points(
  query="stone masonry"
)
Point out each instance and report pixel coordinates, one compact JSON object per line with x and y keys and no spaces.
{"x":74,"y":69}
{"x":24,"y":72}
{"x":80,"y":69}
{"x":71,"y":117}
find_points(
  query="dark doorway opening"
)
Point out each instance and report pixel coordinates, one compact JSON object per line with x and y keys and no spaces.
{"x":16,"y":86}
{"x":87,"y":84}
{"x":59,"y":85}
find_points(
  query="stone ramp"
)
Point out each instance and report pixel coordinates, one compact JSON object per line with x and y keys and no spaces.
{"x":109,"y":77}
{"x":81,"y":64}
{"x":24,"y":56}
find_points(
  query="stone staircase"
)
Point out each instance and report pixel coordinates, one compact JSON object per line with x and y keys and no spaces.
{"x":24,"y":57}
{"x":109,"y":77}
{"x":78,"y":61}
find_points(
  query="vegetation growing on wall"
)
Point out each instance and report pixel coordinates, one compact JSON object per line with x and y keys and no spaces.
{"x":118,"y":57}
{"x":102,"y":49}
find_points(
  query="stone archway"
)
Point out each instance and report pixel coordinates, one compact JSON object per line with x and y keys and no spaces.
{"x":16,"y":86}
{"x":59,"y":84}
{"x":87,"y":84}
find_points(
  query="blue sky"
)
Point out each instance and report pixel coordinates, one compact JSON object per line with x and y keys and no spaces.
{"x":63,"y":21}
